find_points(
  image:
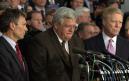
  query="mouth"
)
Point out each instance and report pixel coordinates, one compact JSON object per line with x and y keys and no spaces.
{"x":69,"y":34}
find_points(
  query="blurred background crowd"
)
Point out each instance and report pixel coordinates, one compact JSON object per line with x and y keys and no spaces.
{"x":91,"y":21}
{"x":40,"y":13}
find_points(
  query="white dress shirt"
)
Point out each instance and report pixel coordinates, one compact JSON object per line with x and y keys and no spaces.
{"x":66,"y":44}
{"x":10,"y":41}
{"x":107,"y":38}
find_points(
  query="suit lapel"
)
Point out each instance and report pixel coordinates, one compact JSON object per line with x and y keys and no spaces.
{"x":74,"y":59}
{"x":71,"y":54}
{"x":118,"y":46}
{"x":100,"y":44}
{"x":58,"y":46}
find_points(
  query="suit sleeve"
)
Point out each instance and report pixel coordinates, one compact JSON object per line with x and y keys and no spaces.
{"x":38,"y":61}
{"x":5,"y":72}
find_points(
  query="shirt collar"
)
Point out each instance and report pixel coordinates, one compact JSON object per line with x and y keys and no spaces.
{"x":107,"y":38}
{"x":20,"y":7}
{"x":10,"y":41}
{"x":60,"y":40}
{"x":39,"y":9}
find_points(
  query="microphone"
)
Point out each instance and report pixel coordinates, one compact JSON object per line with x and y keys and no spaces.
{"x":88,"y":52}
{"x":81,"y":59}
{"x":100,"y":55}
{"x":116,"y":57}
{"x":84,"y":67}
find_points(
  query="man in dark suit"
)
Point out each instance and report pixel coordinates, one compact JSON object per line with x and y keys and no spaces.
{"x":35,"y":26}
{"x":39,"y":5}
{"x":13,"y":4}
{"x":75,"y":4}
{"x":112,"y":23}
{"x":49,"y":60}
{"x":13,"y":28}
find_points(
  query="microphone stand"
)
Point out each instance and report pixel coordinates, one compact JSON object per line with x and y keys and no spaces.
{"x":98,"y":61}
{"x":109,"y":60}
{"x":125,"y":76}
{"x":84,"y":64}
{"x":110,"y":67}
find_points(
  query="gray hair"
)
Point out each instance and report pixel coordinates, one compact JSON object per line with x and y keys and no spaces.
{"x":111,"y":10}
{"x":62,"y":13}
{"x":79,"y":11}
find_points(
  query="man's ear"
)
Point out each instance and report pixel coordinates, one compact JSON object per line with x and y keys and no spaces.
{"x":12,"y":25}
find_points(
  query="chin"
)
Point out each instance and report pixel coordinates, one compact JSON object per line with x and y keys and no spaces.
{"x":68,"y":38}
{"x":21,"y":37}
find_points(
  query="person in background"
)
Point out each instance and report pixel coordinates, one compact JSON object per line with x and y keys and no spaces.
{"x":35,"y":21}
{"x":87,"y":30}
{"x":13,"y":3}
{"x":97,"y":14}
{"x":12,"y":65}
{"x":3,"y":6}
{"x":83,"y":15}
{"x":113,"y":3}
{"x":126,"y":33}
{"x":49,"y":17}
{"x":39,"y":5}
{"x":76,"y":4}
{"x":24,"y":6}
{"x":59,"y":3}
{"x":109,"y":41}
{"x":35,"y":26}
{"x":51,"y":57}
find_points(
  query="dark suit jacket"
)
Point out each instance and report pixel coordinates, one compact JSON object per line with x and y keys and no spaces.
{"x":47,"y":62}
{"x":97,"y":44}
{"x":23,"y":43}
{"x":10,"y":69}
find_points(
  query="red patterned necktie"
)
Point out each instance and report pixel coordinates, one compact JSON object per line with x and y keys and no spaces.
{"x":19,"y":56}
